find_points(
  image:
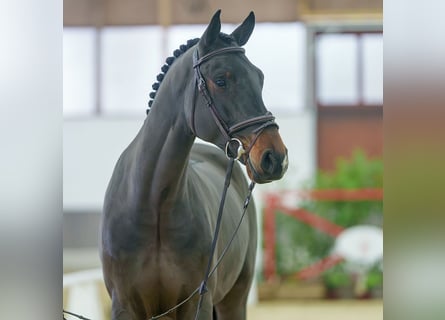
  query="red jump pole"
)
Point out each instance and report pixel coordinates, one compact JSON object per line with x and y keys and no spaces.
{"x":269,"y":228}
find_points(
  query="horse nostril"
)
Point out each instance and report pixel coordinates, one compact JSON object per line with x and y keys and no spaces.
{"x":268,"y":162}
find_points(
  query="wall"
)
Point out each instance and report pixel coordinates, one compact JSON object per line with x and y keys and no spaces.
{"x":91,"y":148}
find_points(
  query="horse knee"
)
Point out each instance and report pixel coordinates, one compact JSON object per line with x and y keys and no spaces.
{"x":117,"y":311}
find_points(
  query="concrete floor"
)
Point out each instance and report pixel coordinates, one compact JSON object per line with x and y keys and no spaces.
{"x":317,"y":310}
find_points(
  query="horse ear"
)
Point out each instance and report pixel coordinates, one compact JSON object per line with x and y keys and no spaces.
{"x":243,"y":32}
{"x":213,"y":29}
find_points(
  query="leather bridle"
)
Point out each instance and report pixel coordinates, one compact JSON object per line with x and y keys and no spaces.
{"x":233,"y":146}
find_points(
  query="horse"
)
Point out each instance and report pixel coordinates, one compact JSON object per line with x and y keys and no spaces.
{"x":159,"y":211}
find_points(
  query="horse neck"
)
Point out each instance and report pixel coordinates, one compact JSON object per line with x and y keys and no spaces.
{"x":165,"y":141}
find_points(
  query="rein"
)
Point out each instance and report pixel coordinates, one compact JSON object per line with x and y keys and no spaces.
{"x":202,"y":289}
{"x":203,"y":286}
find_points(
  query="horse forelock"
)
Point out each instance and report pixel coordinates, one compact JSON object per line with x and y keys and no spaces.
{"x":228,"y":39}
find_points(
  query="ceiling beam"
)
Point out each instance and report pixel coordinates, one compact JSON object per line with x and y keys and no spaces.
{"x":168,"y":12}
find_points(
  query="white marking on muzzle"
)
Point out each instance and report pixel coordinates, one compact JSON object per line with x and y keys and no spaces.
{"x":285,"y":163}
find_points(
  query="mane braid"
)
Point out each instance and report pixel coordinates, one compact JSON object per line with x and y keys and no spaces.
{"x":168,"y":62}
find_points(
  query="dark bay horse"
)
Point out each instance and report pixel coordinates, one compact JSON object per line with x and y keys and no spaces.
{"x":162,"y":201}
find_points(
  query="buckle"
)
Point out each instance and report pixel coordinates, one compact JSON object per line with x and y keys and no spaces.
{"x":201,"y":85}
{"x":234,"y":149}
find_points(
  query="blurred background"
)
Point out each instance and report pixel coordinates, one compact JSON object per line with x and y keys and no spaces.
{"x":320,"y":248}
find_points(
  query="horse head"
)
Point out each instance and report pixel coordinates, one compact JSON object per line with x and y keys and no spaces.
{"x":229,"y":109}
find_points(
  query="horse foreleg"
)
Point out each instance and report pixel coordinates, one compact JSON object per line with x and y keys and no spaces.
{"x":205,"y":312}
{"x":117,"y":311}
{"x":234,"y":304}
{"x":233,"y":310}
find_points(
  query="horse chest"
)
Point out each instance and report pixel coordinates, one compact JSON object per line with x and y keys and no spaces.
{"x":184,"y":234}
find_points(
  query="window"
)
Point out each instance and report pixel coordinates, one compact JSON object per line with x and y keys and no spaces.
{"x":79,"y":65}
{"x":372,"y":68}
{"x":179,"y":34}
{"x":278,"y":49}
{"x":349,"y":69}
{"x":110,"y":71}
{"x":130,"y":60}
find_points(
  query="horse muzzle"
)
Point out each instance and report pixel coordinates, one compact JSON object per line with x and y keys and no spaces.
{"x":267,"y":159}
{"x":272,"y":166}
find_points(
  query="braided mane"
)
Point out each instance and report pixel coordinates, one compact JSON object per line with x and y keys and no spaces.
{"x":169,"y":61}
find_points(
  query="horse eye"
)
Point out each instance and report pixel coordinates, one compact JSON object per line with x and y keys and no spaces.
{"x":220,"y":82}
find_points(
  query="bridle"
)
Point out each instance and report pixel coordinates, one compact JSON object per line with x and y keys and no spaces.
{"x":233,"y":146}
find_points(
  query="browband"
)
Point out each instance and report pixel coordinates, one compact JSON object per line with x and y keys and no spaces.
{"x":209,"y":55}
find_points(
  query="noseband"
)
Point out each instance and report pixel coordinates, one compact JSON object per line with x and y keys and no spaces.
{"x":231,"y":143}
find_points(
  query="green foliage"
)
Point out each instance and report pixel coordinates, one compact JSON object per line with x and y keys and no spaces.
{"x":299,"y":245}
{"x":374,"y":278}
{"x":294,"y":251}
{"x":359,"y":172}
{"x":337,"y":277}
